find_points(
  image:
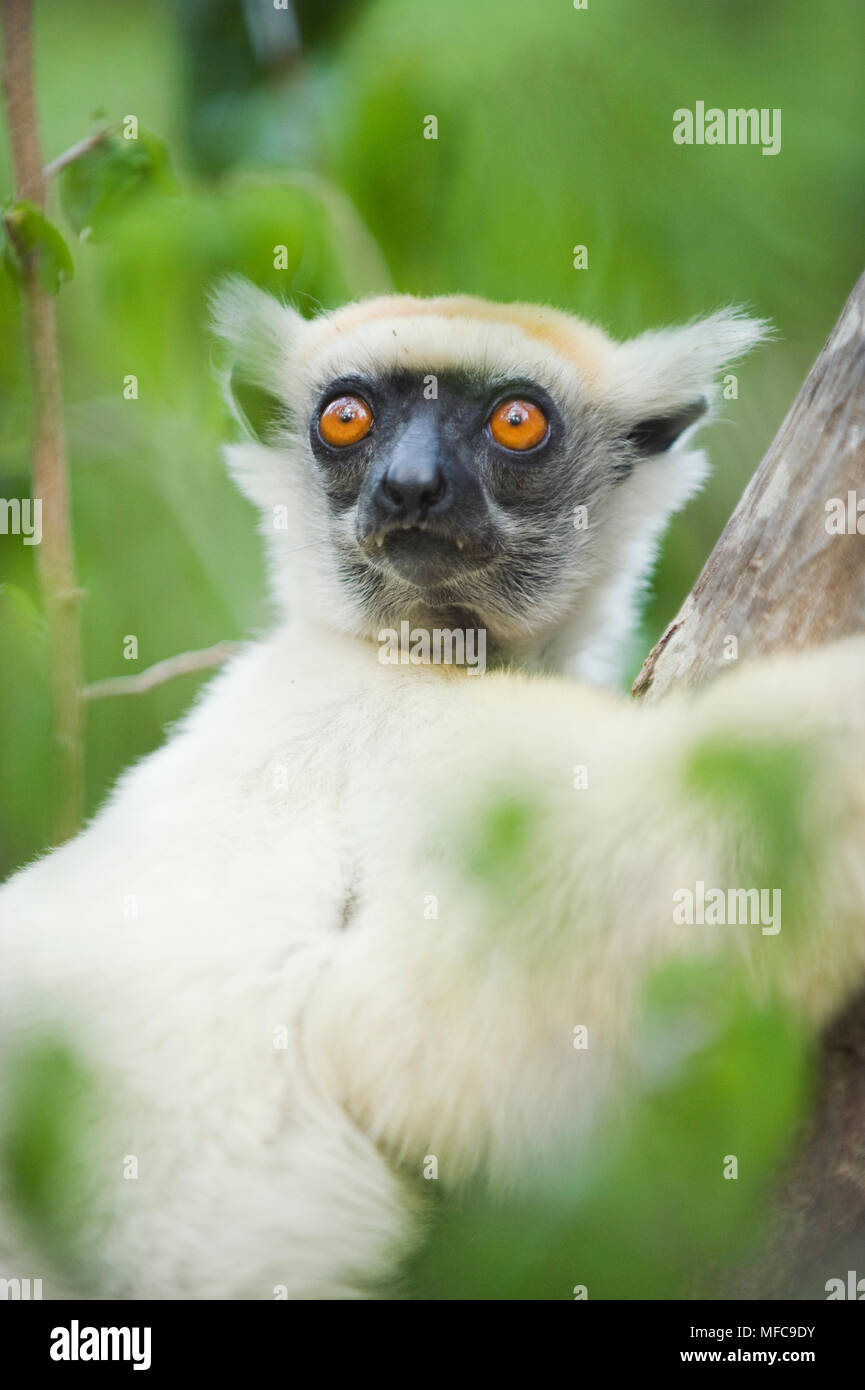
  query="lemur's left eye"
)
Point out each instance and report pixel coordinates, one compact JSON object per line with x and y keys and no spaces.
{"x":518,"y":425}
{"x":345,"y":421}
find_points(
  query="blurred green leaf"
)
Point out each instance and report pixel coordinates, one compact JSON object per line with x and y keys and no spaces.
{"x":25,"y":759}
{"x":102,"y":181}
{"x":42,"y":1149}
{"x":767,"y":790}
{"x":18,"y":609}
{"x":499,"y":839}
{"x":28,"y":232}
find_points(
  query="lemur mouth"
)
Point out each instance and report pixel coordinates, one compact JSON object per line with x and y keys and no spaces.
{"x":425,"y":556}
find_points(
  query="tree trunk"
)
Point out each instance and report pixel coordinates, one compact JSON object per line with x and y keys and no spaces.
{"x":783,"y":576}
{"x":778,"y":579}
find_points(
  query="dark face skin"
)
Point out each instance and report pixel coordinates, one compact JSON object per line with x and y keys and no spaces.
{"x":436,"y":497}
{"x":447,"y":519}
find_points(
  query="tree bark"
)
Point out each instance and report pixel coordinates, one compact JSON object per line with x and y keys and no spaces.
{"x":778,"y":578}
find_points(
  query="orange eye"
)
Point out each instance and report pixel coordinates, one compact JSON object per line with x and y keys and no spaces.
{"x":346,"y":420}
{"x":518,"y":425}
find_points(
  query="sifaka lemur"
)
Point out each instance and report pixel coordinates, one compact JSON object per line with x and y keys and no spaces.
{"x":271,"y":950}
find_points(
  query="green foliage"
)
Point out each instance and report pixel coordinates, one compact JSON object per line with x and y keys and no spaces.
{"x":498,"y":843}
{"x":765,"y":790}
{"x":27,"y":232}
{"x":24,"y":708}
{"x":643,"y":1209}
{"x":99,"y":183}
{"x":43,"y":1151}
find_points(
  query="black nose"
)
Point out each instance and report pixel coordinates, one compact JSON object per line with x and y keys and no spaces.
{"x":412,"y":486}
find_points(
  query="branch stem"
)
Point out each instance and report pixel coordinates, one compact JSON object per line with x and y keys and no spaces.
{"x":74,"y":152}
{"x":181,"y":665}
{"x":54,"y":556}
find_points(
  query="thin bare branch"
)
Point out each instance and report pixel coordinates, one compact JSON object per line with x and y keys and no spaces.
{"x":74,"y":152}
{"x":181,"y":665}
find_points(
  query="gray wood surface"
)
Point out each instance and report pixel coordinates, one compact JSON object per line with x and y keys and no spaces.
{"x":778,"y":578}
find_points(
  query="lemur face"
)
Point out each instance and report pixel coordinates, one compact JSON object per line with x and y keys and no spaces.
{"x":498,"y":466}
{"x":456,"y":488}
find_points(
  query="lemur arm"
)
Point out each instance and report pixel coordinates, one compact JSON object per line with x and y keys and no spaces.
{"x":512,"y":906}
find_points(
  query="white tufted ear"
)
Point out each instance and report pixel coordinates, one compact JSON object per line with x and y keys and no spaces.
{"x":661,"y":386}
{"x":258,"y":334}
{"x":665,"y":379}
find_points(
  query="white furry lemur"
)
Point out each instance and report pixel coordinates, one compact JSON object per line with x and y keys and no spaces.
{"x":239,"y":948}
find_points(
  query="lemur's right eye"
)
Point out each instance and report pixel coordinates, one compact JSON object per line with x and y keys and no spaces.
{"x":345,"y":421}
